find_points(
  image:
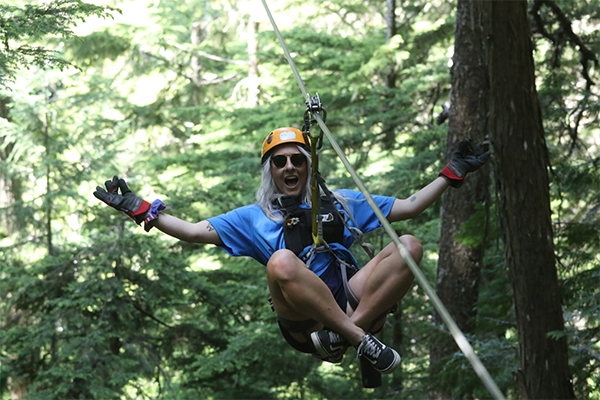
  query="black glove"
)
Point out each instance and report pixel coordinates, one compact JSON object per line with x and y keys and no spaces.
{"x":465,"y":159}
{"x":127,"y":201}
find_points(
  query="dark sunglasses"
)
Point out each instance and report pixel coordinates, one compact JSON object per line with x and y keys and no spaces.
{"x":280,"y":160}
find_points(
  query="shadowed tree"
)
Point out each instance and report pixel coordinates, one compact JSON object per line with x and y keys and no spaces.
{"x":459,"y":264}
{"x":521,"y":172}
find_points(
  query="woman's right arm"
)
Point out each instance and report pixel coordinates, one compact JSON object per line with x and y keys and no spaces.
{"x":137,"y":208}
{"x":200,"y":232}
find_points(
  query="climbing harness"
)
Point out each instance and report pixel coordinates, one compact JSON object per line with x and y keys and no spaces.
{"x":324,"y":203}
{"x":318,"y":186}
{"x":297,"y":223}
{"x":457,"y":334}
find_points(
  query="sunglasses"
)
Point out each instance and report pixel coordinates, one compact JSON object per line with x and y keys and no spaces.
{"x":280,"y":160}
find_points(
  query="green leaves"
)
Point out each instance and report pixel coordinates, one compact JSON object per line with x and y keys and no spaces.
{"x":22,"y":25}
{"x":114,"y":312}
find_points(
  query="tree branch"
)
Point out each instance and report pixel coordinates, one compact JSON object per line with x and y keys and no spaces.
{"x":218,"y":80}
{"x":206,"y":55}
{"x":146,"y":313}
{"x":586,"y":54}
{"x":539,"y":22}
{"x":166,"y":62}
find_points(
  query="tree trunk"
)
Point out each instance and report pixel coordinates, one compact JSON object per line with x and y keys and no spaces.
{"x":11,"y":187}
{"x":11,"y":191}
{"x":196,"y":38}
{"x":397,"y":383}
{"x":389,"y":130}
{"x":390,"y":33}
{"x":459,"y":265}
{"x":48,"y":199}
{"x":521,"y":162}
{"x":253,"y":88}
{"x":397,"y":331}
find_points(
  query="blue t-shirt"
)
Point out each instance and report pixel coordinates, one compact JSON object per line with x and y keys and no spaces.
{"x":246,"y":231}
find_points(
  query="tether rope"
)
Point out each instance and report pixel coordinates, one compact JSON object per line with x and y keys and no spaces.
{"x":457,"y":334}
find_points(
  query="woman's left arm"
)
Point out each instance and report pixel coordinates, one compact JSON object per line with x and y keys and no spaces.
{"x":417,"y":203}
{"x":465,"y":159}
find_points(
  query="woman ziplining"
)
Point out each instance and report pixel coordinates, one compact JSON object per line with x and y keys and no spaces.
{"x":317,"y":314}
{"x":457,"y":334}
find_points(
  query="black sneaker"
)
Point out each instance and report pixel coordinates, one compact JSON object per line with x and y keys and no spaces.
{"x":336,"y":358}
{"x":330,"y":345}
{"x":384,"y":359}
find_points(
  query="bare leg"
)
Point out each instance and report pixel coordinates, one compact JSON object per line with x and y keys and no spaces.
{"x":298,"y":294}
{"x":384,"y":281}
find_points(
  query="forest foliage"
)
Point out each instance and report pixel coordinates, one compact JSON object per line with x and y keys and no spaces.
{"x":158,"y":92}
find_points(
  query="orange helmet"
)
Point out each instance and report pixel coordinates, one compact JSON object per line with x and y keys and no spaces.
{"x":282,"y":136}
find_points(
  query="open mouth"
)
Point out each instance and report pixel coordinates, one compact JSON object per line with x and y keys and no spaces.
{"x":291,"y":181}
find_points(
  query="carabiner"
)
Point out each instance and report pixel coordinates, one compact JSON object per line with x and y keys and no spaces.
{"x":314,"y":106}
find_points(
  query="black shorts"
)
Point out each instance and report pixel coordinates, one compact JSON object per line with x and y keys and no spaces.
{"x":333,"y":279}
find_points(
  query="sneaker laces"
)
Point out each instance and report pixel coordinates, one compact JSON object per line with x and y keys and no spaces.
{"x":370,"y":347}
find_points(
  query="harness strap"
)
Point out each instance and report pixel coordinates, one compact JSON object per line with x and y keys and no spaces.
{"x":354,"y":231}
{"x":350,"y":296}
{"x":343,"y":265}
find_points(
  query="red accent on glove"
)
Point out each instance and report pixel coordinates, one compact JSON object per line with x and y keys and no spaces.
{"x":145,"y":206}
{"x":140,"y":214}
{"x":455,"y":181}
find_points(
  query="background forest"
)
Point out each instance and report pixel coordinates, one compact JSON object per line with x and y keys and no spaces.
{"x":176,"y":97}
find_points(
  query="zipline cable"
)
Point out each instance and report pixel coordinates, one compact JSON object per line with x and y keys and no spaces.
{"x":457,"y":334}
{"x":287,"y":53}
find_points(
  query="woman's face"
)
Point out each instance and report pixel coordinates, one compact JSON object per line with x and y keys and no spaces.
{"x":289,"y":169}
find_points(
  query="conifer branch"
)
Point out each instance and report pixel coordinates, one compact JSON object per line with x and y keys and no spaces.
{"x":206,"y":55}
{"x":586,"y":54}
{"x":167,"y":63}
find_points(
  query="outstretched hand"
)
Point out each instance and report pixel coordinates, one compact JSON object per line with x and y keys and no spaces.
{"x":465,"y":159}
{"x":132,"y":205}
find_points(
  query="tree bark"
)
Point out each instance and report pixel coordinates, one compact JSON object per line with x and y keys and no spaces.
{"x":459,"y":265}
{"x":196,"y":38}
{"x":48,"y":199}
{"x":521,"y":162}
{"x":391,"y":31}
{"x":11,"y":187}
{"x":397,"y":331}
{"x":389,"y":130}
{"x":253,"y":87}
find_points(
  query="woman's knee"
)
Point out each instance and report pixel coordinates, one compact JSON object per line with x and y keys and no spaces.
{"x":414,"y":247}
{"x":282,"y":265}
